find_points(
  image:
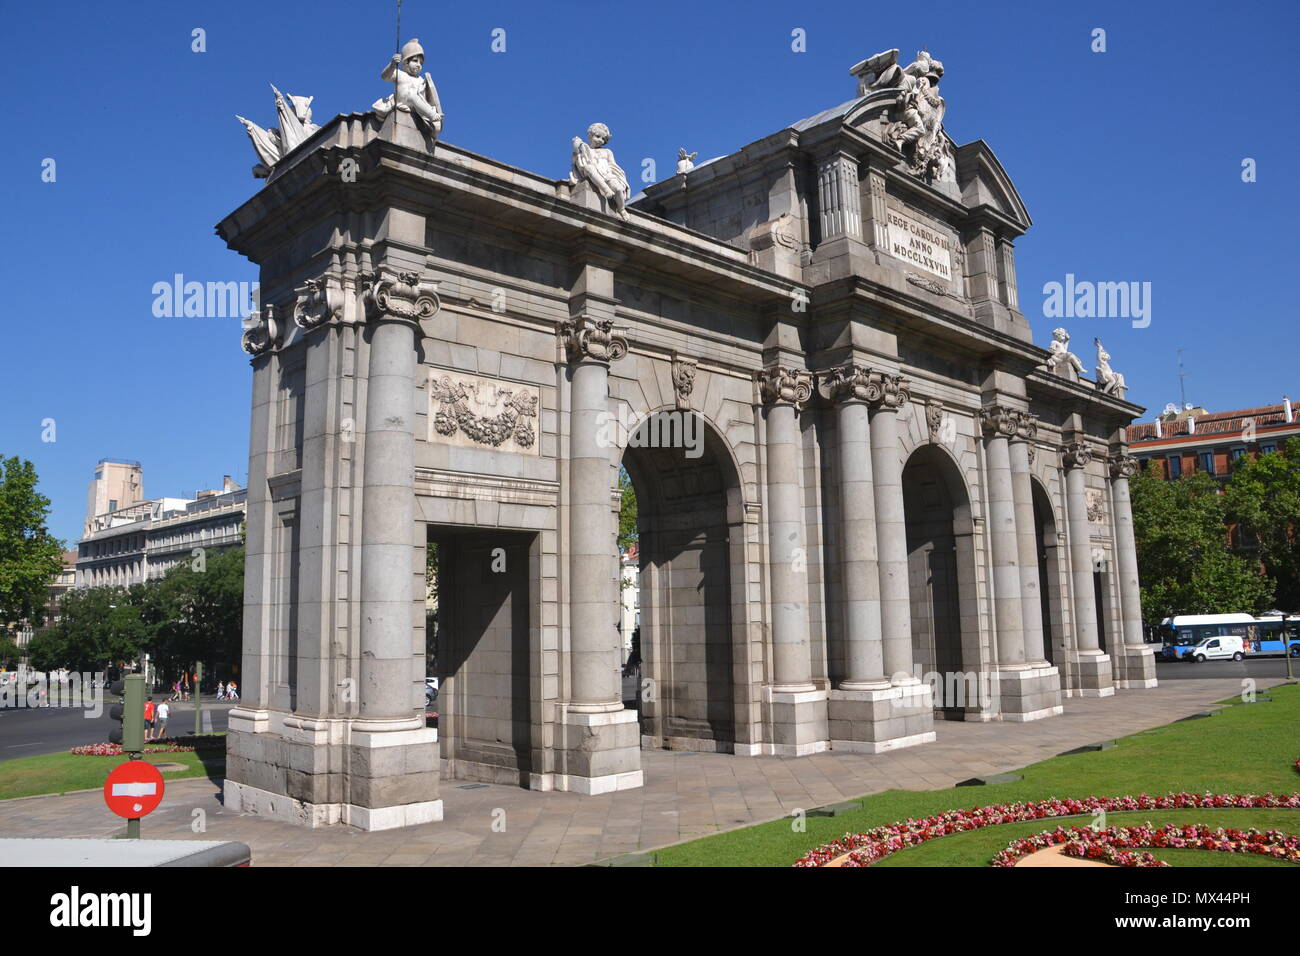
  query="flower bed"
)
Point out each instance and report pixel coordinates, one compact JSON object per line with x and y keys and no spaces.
{"x":114,"y":750}
{"x":1116,"y":845}
{"x":863,"y":849}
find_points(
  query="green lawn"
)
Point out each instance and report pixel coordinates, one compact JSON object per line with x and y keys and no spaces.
{"x":60,"y":773}
{"x":1246,"y":748}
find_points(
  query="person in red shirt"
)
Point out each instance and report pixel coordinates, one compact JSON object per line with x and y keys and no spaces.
{"x":148,"y":719}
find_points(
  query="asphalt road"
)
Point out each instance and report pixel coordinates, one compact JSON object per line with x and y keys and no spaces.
{"x":1251,"y":667}
{"x":34,"y":731}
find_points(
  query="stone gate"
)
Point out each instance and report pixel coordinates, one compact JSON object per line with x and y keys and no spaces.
{"x":868,"y":502}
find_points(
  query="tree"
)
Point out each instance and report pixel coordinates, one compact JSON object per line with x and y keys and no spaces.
{"x":197,"y":615}
{"x":1263,"y":499}
{"x":30,"y":557}
{"x":1185,"y":563}
{"x":97,"y":628}
{"x":627,"y":511}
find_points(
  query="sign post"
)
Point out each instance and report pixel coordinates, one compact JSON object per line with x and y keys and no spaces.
{"x":133,"y":790}
{"x":198,"y":698}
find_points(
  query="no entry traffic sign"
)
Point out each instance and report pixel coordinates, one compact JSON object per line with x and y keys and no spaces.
{"x":134,"y":789}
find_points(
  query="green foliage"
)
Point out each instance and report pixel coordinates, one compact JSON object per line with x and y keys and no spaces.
{"x":197,"y":614}
{"x":1263,"y":497}
{"x":97,"y":628}
{"x":1185,"y":561}
{"x":627,"y":511}
{"x":29,"y":557}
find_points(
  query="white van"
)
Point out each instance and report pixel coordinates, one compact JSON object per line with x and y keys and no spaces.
{"x":1218,"y":649}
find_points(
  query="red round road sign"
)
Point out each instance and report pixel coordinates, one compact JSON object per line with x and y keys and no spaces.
{"x":134,"y":789}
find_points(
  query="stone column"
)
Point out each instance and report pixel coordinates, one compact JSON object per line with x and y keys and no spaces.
{"x":1135,"y":663}
{"x":1037,"y":689}
{"x":864,"y":663}
{"x":891,"y":530}
{"x":798,"y":706}
{"x":601,"y":742}
{"x":867,"y":712}
{"x":1093,"y":670}
{"x":999,"y":423}
{"x":1022,"y":456}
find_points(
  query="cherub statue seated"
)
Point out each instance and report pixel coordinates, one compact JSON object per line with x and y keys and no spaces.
{"x":414,"y":92}
{"x":1109,"y":381}
{"x":1060,"y":360}
{"x":594,"y":163}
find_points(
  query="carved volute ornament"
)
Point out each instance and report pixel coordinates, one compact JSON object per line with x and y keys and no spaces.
{"x":684,"y":371}
{"x":592,"y":340}
{"x":895,"y":391}
{"x":1076,"y":454}
{"x":1123,"y":466}
{"x":399,"y":295}
{"x":781,"y":384}
{"x":264,"y":334}
{"x":849,"y":383}
{"x":1026,"y":426}
{"x":934,"y":419}
{"x":999,"y":421}
{"x":319,"y":301}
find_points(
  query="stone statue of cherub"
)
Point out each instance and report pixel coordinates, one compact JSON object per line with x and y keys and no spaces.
{"x":414,"y":91}
{"x":594,"y":163}
{"x":1060,"y":360}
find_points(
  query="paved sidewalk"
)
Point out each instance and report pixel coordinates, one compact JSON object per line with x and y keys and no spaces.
{"x":686,"y":795}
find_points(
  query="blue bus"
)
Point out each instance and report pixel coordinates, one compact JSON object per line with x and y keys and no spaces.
{"x":1260,"y":636}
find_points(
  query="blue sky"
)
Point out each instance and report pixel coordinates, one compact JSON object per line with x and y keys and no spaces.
{"x":1129,"y":162}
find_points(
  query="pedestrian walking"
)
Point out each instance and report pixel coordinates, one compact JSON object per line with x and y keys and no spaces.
{"x":232,"y":691}
{"x":221,"y":690}
{"x":148,"y":719}
{"x":164,"y":711}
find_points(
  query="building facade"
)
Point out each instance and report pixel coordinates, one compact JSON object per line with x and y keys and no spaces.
{"x":867,"y":501}
{"x":1191,"y":440}
{"x":144,"y":540}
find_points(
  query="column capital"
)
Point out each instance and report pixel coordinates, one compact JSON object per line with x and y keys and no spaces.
{"x":784,"y":385}
{"x":319,"y":301}
{"x":850,"y":382}
{"x":587,"y":339}
{"x":399,"y":296}
{"x":999,"y":421}
{"x":1122,"y":466}
{"x":1026,"y":427}
{"x":1076,"y":454}
{"x":263,"y":334}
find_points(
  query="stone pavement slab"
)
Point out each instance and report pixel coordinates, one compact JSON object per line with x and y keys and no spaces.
{"x":685,"y":796}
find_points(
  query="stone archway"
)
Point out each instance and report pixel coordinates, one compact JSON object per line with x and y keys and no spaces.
{"x":941,"y":565}
{"x":1048,"y":546}
{"x":691,"y":578}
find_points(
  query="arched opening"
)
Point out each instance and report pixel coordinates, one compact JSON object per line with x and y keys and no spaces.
{"x":1048,"y":542}
{"x":941,"y":576}
{"x":691,"y":583}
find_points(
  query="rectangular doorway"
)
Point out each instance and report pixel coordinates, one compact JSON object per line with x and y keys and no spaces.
{"x":485,"y":618}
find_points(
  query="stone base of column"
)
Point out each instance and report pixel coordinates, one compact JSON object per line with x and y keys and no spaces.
{"x":1027,"y":692}
{"x":316,"y":772}
{"x":599,"y":753}
{"x":874,"y":721}
{"x":798,"y":721}
{"x":1135,"y":666}
{"x":1091,"y":674}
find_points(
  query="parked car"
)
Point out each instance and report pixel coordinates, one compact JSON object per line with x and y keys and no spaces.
{"x":430,"y":690}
